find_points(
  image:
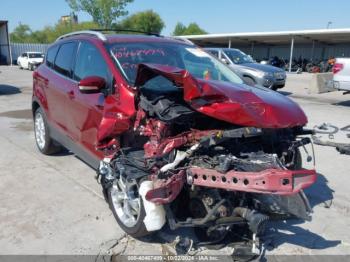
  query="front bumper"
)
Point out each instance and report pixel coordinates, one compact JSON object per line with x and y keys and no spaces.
{"x":268,"y":82}
{"x":340,"y":85}
{"x":270,"y":181}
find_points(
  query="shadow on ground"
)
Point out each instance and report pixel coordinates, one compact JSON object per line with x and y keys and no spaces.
{"x":288,"y":231}
{"x":9,"y":90}
{"x":285,"y":93}
{"x":313,"y":192}
{"x":343,"y":103}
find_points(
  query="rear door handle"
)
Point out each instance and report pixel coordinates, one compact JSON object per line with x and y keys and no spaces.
{"x":71,"y":94}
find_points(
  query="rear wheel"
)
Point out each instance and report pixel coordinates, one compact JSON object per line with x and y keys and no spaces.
{"x":44,"y":142}
{"x":127,"y":207}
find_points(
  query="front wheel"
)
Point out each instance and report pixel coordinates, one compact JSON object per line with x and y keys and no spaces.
{"x":127,"y":207}
{"x":43,"y":140}
{"x":249,"y":81}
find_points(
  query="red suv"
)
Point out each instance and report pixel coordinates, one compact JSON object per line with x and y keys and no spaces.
{"x":173,"y":133}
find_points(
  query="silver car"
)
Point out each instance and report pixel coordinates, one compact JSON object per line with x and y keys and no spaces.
{"x":252,"y":72}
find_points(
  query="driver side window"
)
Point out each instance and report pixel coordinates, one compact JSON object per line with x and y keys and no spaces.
{"x":90,"y":62}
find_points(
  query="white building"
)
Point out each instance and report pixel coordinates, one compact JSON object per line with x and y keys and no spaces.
{"x":309,"y":44}
{"x":5,"y":52}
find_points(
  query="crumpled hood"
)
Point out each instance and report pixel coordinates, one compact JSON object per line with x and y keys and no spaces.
{"x":238,"y":104}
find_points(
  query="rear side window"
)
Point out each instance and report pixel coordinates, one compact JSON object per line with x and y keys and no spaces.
{"x":51,"y":54}
{"x":64,"y":59}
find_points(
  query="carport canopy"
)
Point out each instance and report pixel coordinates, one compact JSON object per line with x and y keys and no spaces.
{"x":323,"y":36}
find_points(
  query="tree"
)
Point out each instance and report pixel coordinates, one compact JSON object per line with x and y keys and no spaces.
{"x":103,"y":12}
{"x":146,"y":21}
{"x":21,"y":34}
{"x":191,"y":29}
{"x":180,"y":29}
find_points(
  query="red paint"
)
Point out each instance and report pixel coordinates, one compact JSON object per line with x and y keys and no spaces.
{"x":270,"y":181}
{"x":233,"y":103}
{"x":166,"y":191}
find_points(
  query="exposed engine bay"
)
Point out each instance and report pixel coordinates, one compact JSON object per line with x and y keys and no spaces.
{"x":188,"y":161}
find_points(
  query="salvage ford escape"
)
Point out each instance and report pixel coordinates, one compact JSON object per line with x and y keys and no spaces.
{"x":175,"y":136}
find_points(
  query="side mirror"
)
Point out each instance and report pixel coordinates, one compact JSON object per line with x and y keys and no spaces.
{"x":91,"y":84}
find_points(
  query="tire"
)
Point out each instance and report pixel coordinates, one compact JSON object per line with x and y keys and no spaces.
{"x":136,"y":230}
{"x":44,"y":142}
{"x":249,"y":81}
{"x":274,"y":88}
{"x":30,"y":67}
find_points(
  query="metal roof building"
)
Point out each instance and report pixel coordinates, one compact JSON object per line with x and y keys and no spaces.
{"x":5,"y":51}
{"x":309,"y":44}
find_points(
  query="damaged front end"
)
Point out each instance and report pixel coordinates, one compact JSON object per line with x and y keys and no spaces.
{"x":205,"y":154}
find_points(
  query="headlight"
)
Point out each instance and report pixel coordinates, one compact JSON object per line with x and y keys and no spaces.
{"x":257,"y":73}
{"x":268,"y":74}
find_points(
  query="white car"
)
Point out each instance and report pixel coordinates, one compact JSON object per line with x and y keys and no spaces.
{"x":341,"y":74}
{"x":30,"y":60}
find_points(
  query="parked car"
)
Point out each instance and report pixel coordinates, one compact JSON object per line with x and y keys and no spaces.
{"x":252,"y":72}
{"x":174,"y":134}
{"x":30,"y":60}
{"x":341,"y":74}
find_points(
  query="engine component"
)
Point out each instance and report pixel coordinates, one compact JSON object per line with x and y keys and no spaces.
{"x":166,"y":190}
{"x":155,"y":214}
{"x":180,"y":156}
{"x":256,"y":220}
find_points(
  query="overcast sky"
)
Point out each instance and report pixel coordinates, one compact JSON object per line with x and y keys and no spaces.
{"x":219,"y":16}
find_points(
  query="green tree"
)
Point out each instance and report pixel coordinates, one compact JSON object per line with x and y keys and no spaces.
{"x":146,"y":21}
{"x":180,"y":29}
{"x":21,"y":34}
{"x":191,"y":29}
{"x":103,"y":12}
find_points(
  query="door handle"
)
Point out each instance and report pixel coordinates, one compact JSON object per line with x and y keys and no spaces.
{"x":71,"y":94}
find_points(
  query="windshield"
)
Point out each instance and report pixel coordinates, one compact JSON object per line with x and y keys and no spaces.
{"x":35,"y":55}
{"x":238,"y":57}
{"x":199,"y":63}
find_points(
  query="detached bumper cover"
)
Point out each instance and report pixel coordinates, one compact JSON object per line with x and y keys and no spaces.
{"x":269,"y":181}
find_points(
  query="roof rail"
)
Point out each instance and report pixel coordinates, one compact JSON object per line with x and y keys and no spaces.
{"x":115,"y":30}
{"x":99,"y":35}
{"x":182,"y":39}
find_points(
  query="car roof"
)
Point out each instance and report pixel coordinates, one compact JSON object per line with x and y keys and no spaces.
{"x":220,"y":48}
{"x":123,"y":38}
{"x":142,"y":38}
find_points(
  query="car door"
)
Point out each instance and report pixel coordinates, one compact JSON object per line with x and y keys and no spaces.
{"x":85,"y":110}
{"x":24,"y":60}
{"x":59,"y":85}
